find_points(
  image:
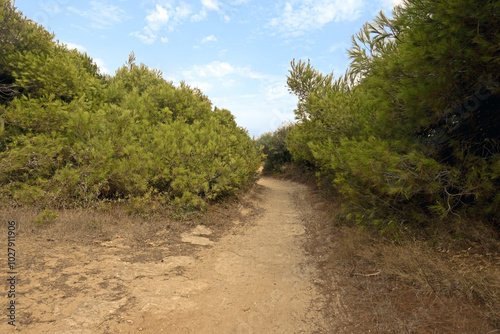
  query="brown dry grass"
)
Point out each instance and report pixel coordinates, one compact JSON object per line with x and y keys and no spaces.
{"x":449,"y":284}
{"x":139,"y":226}
{"x":416,"y":288}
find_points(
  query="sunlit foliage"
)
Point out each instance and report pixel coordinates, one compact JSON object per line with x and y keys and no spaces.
{"x":411,"y":134}
{"x":71,"y":136}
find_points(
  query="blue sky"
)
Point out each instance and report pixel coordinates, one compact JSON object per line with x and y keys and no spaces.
{"x":237,"y":52}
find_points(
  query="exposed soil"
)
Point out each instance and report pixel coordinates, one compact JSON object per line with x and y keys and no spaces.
{"x":249,"y":273}
{"x":274,"y":261}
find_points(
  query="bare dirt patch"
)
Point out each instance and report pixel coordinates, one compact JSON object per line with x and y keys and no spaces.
{"x":238,"y":269}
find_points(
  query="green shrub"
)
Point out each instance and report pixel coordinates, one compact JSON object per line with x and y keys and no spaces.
{"x":46,"y":217}
{"x":274,"y":147}
{"x":71,"y":137}
{"x":410,"y":135}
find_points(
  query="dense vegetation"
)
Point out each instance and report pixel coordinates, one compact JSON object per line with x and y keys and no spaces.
{"x":71,"y":136}
{"x":274,"y":149}
{"x":410,"y":134}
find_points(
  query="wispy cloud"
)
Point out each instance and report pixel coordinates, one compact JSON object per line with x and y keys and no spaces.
{"x":210,"y":38}
{"x":72,"y":46}
{"x":199,"y":16}
{"x":211,"y":4}
{"x":388,"y":5}
{"x":162,"y":18}
{"x":206,"y":6}
{"x":53,"y":7}
{"x":298,"y":17}
{"x":146,"y":36}
{"x":166,"y":16}
{"x":100,"y":63}
{"x":201,"y":85}
{"x":101,"y":14}
{"x":218,"y":74}
{"x":265,"y":105}
{"x":215,"y":69}
{"x":221,"y":70}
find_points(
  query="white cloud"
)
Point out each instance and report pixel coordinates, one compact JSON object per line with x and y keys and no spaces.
{"x":258,"y":115}
{"x":221,"y":70}
{"x":214,"y":69}
{"x":210,"y":38}
{"x":265,"y":105}
{"x":100,"y":63}
{"x":101,"y":14}
{"x":163,"y":17}
{"x":146,"y":36}
{"x":299,"y":17}
{"x":199,"y":16}
{"x":53,"y":7}
{"x":276,"y":90}
{"x":72,"y":46}
{"x":157,"y":18}
{"x":388,"y":5}
{"x":201,"y":85}
{"x":211,"y":4}
{"x":183,"y":10}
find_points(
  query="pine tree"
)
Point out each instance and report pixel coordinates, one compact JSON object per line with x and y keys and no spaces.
{"x":410,"y":134}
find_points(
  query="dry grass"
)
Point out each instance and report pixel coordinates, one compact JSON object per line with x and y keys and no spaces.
{"x":449,"y":285}
{"x":139,"y":227}
{"x":414,"y":288}
{"x":86,"y":225}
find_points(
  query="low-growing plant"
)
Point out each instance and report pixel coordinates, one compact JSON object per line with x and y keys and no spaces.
{"x":46,"y":217}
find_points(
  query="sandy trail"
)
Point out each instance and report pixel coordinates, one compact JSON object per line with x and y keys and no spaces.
{"x":255,"y":279}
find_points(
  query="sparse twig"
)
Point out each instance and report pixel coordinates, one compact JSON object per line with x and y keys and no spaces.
{"x":432,"y":286}
{"x":366,"y":275}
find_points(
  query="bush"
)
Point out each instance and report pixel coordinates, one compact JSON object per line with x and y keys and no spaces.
{"x":409,"y":135}
{"x":71,"y":137}
{"x":274,"y":147}
{"x":46,"y":217}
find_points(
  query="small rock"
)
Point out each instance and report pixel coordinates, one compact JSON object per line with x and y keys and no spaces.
{"x":196,"y":240}
{"x":201,"y":230}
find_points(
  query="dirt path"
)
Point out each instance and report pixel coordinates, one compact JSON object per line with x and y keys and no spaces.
{"x":256,"y":279}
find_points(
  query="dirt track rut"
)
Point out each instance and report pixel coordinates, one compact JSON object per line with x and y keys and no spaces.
{"x":257,"y":281}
